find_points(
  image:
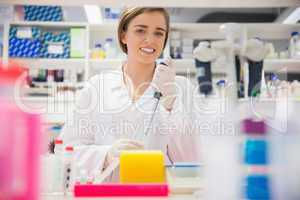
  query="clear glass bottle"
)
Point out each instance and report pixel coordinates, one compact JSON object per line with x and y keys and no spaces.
{"x":109,"y":48}
{"x":68,"y":168}
{"x":293,"y":44}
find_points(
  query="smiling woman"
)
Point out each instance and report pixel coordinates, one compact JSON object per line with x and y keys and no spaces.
{"x":124,"y":112}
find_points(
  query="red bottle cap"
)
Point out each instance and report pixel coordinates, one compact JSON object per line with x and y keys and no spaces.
{"x":58,"y":141}
{"x":10,"y":73}
{"x":69,"y":148}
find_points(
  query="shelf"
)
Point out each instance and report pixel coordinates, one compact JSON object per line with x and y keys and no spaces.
{"x":165,"y":3}
{"x":106,"y":26}
{"x":212,"y":30}
{"x":59,"y":84}
{"x":282,"y":65}
{"x":270,"y":65}
{"x":188,"y":65}
{"x":52,"y":64}
{"x":49,"y":24}
{"x":106,"y":64}
{"x":181,"y":65}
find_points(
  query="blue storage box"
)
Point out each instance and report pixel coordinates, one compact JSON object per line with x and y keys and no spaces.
{"x":24,"y":42}
{"x":23,"y":32}
{"x":43,"y":13}
{"x":257,"y":187}
{"x":256,"y":152}
{"x":55,"y":45}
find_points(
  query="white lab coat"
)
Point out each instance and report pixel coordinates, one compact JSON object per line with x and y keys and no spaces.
{"x":104,"y":112}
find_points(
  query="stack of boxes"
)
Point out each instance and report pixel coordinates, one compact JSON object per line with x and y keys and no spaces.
{"x":43,"y":13}
{"x":255,"y":158}
{"x":32,"y":42}
{"x":55,"y":45}
{"x":24,"y":42}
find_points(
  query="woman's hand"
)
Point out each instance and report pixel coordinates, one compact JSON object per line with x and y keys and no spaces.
{"x":121,"y":145}
{"x":164,"y":82}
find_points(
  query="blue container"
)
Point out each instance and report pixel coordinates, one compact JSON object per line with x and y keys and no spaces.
{"x":257,"y":187}
{"x":35,"y":32}
{"x":55,"y":45}
{"x":43,"y":13}
{"x":256,"y":152}
{"x":28,"y":47}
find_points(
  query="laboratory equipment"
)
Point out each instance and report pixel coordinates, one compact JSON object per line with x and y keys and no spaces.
{"x":294,"y":48}
{"x":98,"y":52}
{"x":110,"y":49}
{"x":52,"y":176}
{"x":20,"y":140}
{"x":176,"y":46}
{"x":142,"y":167}
{"x":184,"y":177}
{"x":121,"y":190}
{"x":68,"y":168}
{"x":257,"y":184}
{"x":58,"y":149}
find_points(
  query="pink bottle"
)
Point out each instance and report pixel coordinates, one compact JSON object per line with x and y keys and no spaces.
{"x":19,"y":144}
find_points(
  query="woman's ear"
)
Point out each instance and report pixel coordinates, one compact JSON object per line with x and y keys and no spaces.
{"x":123,"y":38}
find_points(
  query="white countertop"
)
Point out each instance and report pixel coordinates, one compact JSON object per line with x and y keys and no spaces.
{"x":70,"y":197}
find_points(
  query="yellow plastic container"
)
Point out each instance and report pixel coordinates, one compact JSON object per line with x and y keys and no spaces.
{"x":142,"y":167}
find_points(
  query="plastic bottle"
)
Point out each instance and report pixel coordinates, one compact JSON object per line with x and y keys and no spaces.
{"x":109,"y":48}
{"x":98,"y":52}
{"x":20,"y":140}
{"x":50,"y":77}
{"x":58,"y":146}
{"x":52,"y":174}
{"x":67,"y":168}
{"x":294,"y":42}
{"x":221,"y":86}
{"x":107,"y":13}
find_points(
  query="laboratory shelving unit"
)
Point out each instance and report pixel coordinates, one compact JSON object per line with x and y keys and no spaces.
{"x":205,"y":31}
{"x":189,"y":30}
{"x":165,"y":3}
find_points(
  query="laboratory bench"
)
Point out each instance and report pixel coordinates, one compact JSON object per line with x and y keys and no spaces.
{"x":70,"y":197}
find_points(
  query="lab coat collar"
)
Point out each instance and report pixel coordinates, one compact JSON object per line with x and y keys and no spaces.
{"x":123,"y":91}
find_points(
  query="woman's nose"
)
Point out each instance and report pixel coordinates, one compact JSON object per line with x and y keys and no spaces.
{"x":149,"y":38}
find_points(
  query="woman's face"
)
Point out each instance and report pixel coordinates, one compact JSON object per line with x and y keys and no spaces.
{"x":145,"y":37}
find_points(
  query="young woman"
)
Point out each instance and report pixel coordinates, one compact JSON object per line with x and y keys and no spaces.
{"x":121,"y":109}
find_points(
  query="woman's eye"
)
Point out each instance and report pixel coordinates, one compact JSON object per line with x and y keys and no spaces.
{"x":159,"y":33}
{"x":140,"y":31}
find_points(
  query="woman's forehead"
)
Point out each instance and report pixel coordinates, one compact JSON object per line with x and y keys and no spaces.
{"x":149,"y":19}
